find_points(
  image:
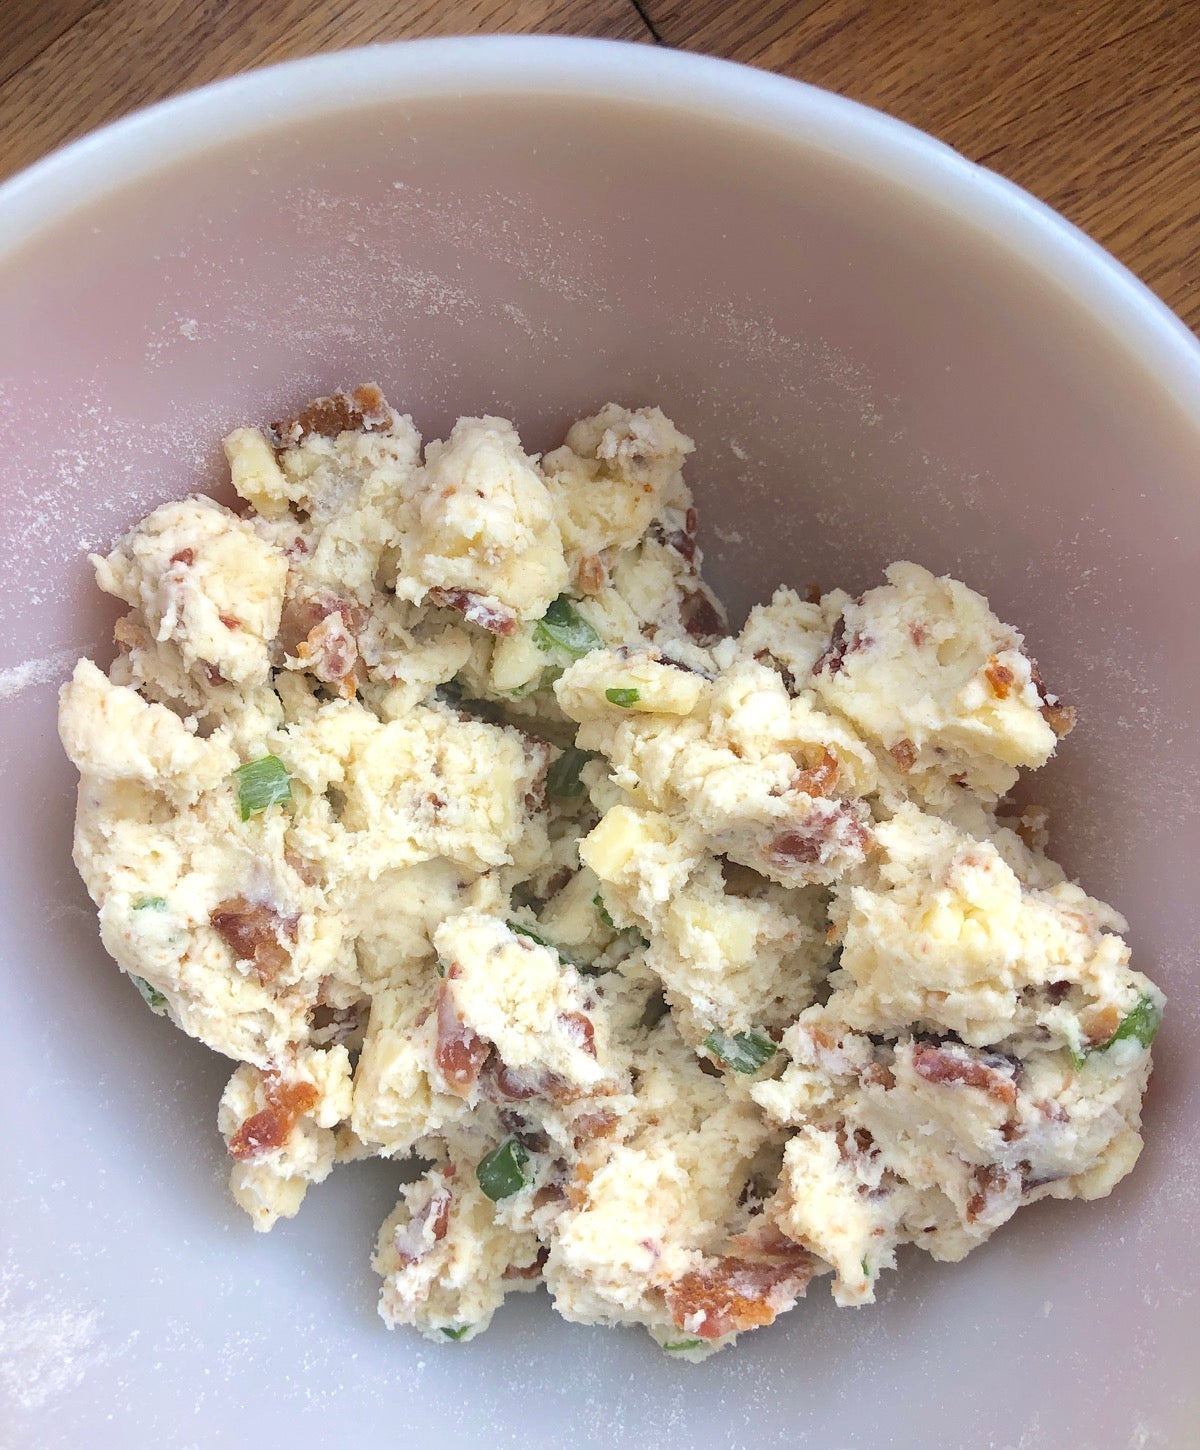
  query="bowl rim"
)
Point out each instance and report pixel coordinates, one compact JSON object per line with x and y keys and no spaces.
{"x":158,"y":136}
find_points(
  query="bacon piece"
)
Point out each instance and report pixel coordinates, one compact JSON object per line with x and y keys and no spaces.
{"x":733,"y":1293}
{"x":591,"y":575}
{"x":1000,"y":677}
{"x":828,"y":825}
{"x":257,"y":933}
{"x":411,"y":1241}
{"x":835,"y":651}
{"x":589,"y":1126}
{"x":1059,"y":717}
{"x":529,"y":1271}
{"x":989,"y":1181}
{"x":184,"y":557}
{"x":478,"y":609}
{"x":948,"y":1065}
{"x":580,"y":1030}
{"x":699,"y":615}
{"x":818,"y":779}
{"x":364,"y":411}
{"x":460,"y":1053}
{"x":269,"y":1129}
{"x":904,"y":753}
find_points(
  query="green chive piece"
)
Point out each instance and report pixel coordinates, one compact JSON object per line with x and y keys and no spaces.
{"x":563,"y":627}
{"x":743,"y":1052}
{"x":623,"y":696}
{"x":262,"y":783}
{"x":562,"y":779}
{"x":522,"y":930}
{"x":457,"y":1334}
{"x":598,"y":903}
{"x":1140,"y":1022}
{"x":866,"y":1268}
{"x":150,"y":903}
{"x":152,"y":997}
{"x":502,"y":1172}
{"x":673,"y":1346}
{"x":440,"y":967}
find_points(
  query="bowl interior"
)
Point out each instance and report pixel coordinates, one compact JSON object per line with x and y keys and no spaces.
{"x":869,"y":375}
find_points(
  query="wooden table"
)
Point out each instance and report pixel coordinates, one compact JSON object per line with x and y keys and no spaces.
{"x":1094,"y":105}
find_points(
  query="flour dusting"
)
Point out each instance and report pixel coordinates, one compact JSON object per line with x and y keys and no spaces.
{"x":48,"y":670}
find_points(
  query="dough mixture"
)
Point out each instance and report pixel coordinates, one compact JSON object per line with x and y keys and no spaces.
{"x":433,"y":790}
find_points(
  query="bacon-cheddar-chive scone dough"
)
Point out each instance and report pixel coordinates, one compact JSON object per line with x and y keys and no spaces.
{"x":431,"y":788}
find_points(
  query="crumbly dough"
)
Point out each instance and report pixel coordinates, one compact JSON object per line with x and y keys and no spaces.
{"x":691,"y":965}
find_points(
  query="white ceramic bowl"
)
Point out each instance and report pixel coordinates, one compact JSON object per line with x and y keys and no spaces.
{"x":883,"y":351}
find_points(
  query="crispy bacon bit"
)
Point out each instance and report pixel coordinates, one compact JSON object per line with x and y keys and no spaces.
{"x":365,"y":410}
{"x":269,"y":1129}
{"x":529,"y":1271}
{"x":904,"y":753}
{"x":580,"y":1030}
{"x":1000,"y":677}
{"x":699,"y":615}
{"x":257,"y":933}
{"x":460,"y":1052}
{"x":331,"y":652}
{"x":577,"y":1190}
{"x":829,"y":825}
{"x":818,"y":779}
{"x":988,"y":1181}
{"x":1011,"y":1130}
{"x":591,"y":575}
{"x":835,"y":651}
{"x":1050,"y":1110}
{"x":876,"y":1074}
{"x":508,"y":1083}
{"x":477,"y":609}
{"x":733,"y":1293}
{"x":947,"y":1065}
{"x":918,"y":634}
{"x":214,"y":675}
{"x":411,"y":1241}
{"x":1059,"y":717}
{"x":812,"y":593}
{"x":1100,"y":1025}
{"x":683,"y":544}
{"x":184,"y":557}
{"x":589,"y":1126}
{"x":229,"y":622}
{"x":301,"y":616}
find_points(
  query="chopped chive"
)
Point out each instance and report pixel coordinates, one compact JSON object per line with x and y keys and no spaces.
{"x":562,"y":779}
{"x":623,"y":696}
{"x":673,"y":1346}
{"x":152,"y":997}
{"x":457,"y":1334}
{"x":440,"y":967}
{"x":521,"y":930}
{"x":150,"y":903}
{"x":866,"y":1268}
{"x":743,"y":1052}
{"x":598,"y":903}
{"x":502,"y":1172}
{"x":262,"y":783}
{"x":1141,"y":1022}
{"x":563,"y":627}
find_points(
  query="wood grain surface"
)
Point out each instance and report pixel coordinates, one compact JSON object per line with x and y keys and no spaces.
{"x":1094,"y":105}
